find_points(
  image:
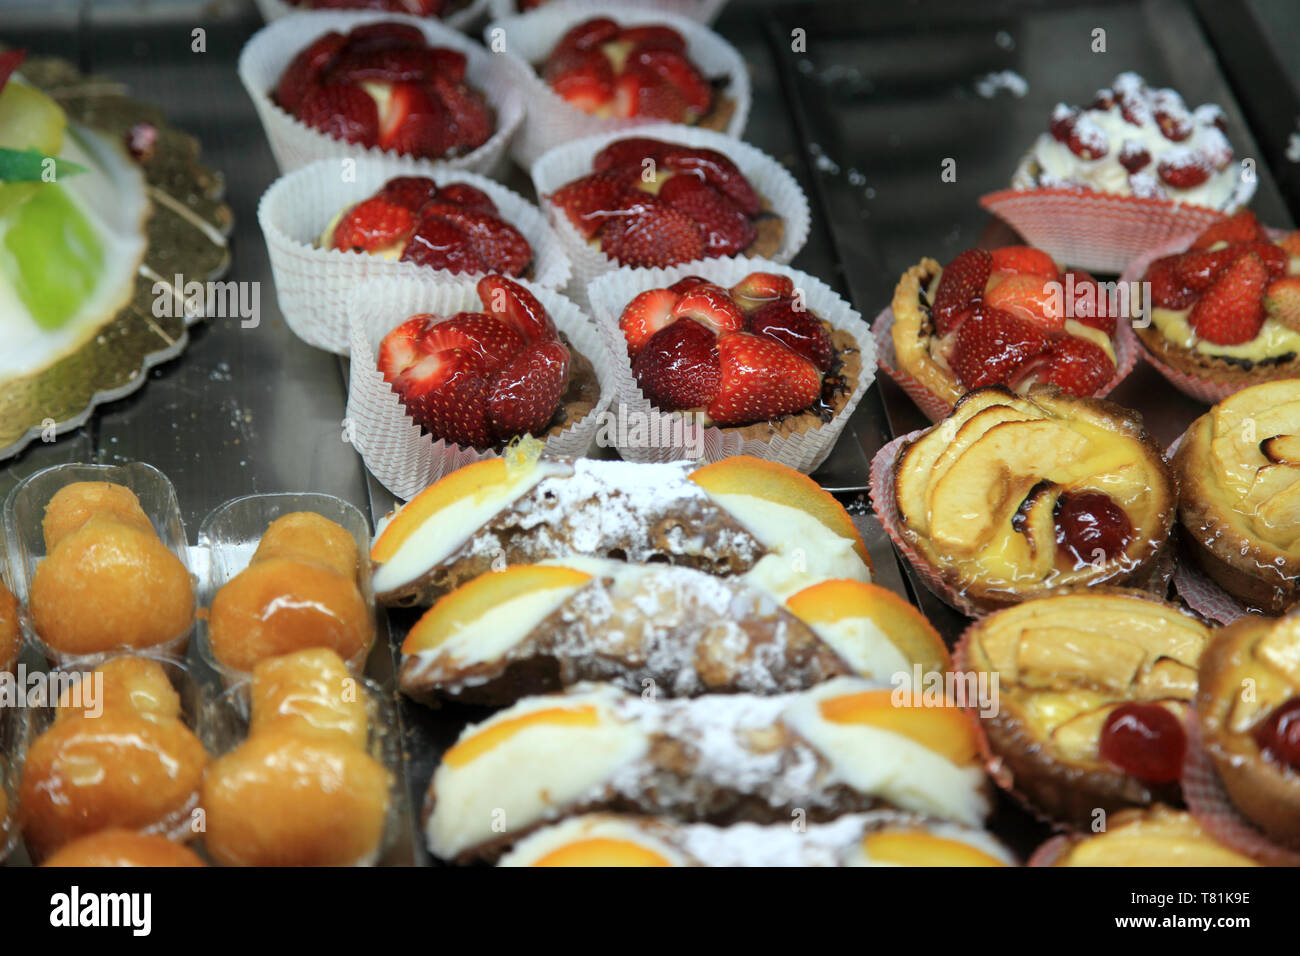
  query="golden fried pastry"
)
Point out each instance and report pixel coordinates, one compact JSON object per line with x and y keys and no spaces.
{"x":11,"y":636}
{"x":282,"y":799}
{"x":307,"y":536}
{"x":309,"y":693}
{"x":136,"y":685}
{"x":1011,"y":496}
{"x":117,"y":848}
{"x":1157,"y":836}
{"x":1094,"y":687}
{"x":277,"y":606}
{"x":1238,"y":471}
{"x":109,"y":585}
{"x":1248,"y":706}
{"x":73,"y":505}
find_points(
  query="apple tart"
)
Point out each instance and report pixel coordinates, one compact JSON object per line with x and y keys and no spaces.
{"x":878,"y":838}
{"x":1157,"y":836}
{"x":841,"y":747}
{"x":1010,"y":496}
{"x":1248,"y":708}
{"x":537,"y":628}
{"x":1094,"y":687}
{"x":1238,"y":469}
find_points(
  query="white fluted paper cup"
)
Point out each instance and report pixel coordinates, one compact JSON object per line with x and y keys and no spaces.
{"x":802,"y":451}
{"x":527,"y":39}
{"x":701,"y":11}
{"x":461,"y":19}
{"x":405,"y":460}
{"x":294,"y":144}
{"x":312,"y":284}
{"x":571,"y":161}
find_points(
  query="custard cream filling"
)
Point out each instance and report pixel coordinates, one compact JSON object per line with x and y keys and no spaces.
{"x":1273,"y":341}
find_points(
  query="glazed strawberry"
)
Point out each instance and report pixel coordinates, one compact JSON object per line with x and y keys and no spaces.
{"x":518,"y":308}
{"x":373,"y":224}
{"x":1275,"y":258}
{"x":1282,"y":301}
{"x":651,"y":234}
{"x":526,"y":391}
{"x":472,"y":198}
{"x":961,"y":283}
{"x":640,"y":92}
{"x":1241,"y":226}
{"x":1167,"y":289}
{"x":686,"y":283}
{"x":1023,"y":260}
{"x":673,"y":68}
{"x":403,"y":346}
{"x":401,"y":64}
{"x":590,"y":201}
{"x":384,"y":35}
{"x":1030,"y":297}
{"x":992,"y":344}
{"x":1091,"y":306}
{"x":589,"y":34}
{"x":440,"y":245}
{"x":500,"y":246}
{"x":761,"y":379}
{"x":343,"y":112}
{"x":653,"y":35}
{"x":718,"y":171}
{"x":760,"y":287}
{"x":582,"y":78}
{"x":305,"y":70}
{"x":1184,"y":171}
{"x":798,"y":330}
{"x":679,"y":366}
{"x":1197,"y":270}
{"x":646,"y":315}
{"x":410,"y":192}
{"x":447,"y":393}
{"x":711,"y":305}
{"x":1231,"y":311}
{"x":633,"y":151}
{"x":471,"y":117}
{"x":728,"y":231}
{"x":415,"y":122}
{"x":1076,"y":365}
{"x":490,"y":339}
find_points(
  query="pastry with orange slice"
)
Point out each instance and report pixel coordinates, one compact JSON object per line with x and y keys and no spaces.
{"x":1154,"y":837}
{"x":1093,"y":689}
{"x":536,"y":628}
{"x":877,"y":838}
{"x":844,"y":746}
{"x":738,"y":516}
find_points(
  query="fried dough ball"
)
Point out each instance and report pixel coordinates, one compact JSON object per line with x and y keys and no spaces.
{"x":73,"y":505}
{"x":310,"y":693}
{"x":11,"y":638}
{"x":307,"y":536}
{"x":130,"y":684}
{"x":285,"y":800}
{"x":277,"y":606}
{"x":110,"y":585}
{"x":124,"y":848}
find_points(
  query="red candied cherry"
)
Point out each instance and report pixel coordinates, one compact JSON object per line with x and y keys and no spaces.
{"x":1088,"y":522}
{"x":1146,"y":741}
{"x":1279,"y":736}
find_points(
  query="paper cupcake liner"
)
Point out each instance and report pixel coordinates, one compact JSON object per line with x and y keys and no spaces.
{"x":573,"y":160}
{"x":312,"y":285}
{"x":388,"y":439}
{"x":803,"y":452}
{"x":935,"y":408}
{"x":527,"y":39}
{"x":701,"y":11}
{"x":461,"y":19}
{"x":294,"y":144}
{"x":1208,"y":801}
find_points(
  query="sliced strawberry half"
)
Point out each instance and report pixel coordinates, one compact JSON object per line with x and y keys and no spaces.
{"x":686,"y":283}
{"x":410,"y":192}
{"x":1241,"y":226}
{"x":653,"y":35}
{"x":489,"y":338}
{"x":582,"y":78}
{"x":372,"y":225}
{"x":679,"y":366}
{"x":516,"y":307}
{"x":1076,"y":365}
{"x":650,"y":312}
{"x":1030,"y":297}
{"x":527,"y":389}
{"x":415,"y":122}
{"x":758,"y":288}
{"x":1167,"y":290}
{"x":633,"y":151}
{"x":761,"y":379}
{"x":472,"y":119}
{"x":1197,"y":270}
{"x":589,"y":202}
{"x":1091,"y":306}
{"x":991,"y":345}
{"x":718,"y":171}
{"x":385,"y":34}
{"x":401,"y":64}
{"x":672,"y":67}
{"x":440,"y":245}
{"x":961,"y":283}
{"x":1017,"y":260}
{"x":447,"y":393}
{"x":588,"y":35}
{"x":1232,"y":310}
{"x":641,"y":92}
{"x":343,"y":112}
{"x":500,"y":245}
{"x":302,"y":75}
{"x":403,"y":346}
{"x":651,"y":234}
{"x":472,"y":198}
{"x":798,"y":330}
{"x":711,"y":305}
{"x":728,"y":231}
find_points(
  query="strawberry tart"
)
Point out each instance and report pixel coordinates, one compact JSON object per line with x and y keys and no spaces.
{"x":1003,"y":317}
{"x":651,"y":203}
{"x":1225,"y":312}
{"x":480,"y":379}
{"x":383,"y":85}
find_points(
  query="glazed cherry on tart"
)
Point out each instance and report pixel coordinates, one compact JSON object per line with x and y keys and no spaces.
{"x":1094,"y":687}
{"x":752,"y":353}
{"x":1227,"y":309}
{"x":642,"y":71}
{"x":383,"y":85}
{"x":482,"y":378}
{"x":454,"y":226}
{"x":1003,"y":317}
{"x":655,"y":204}
{"x":1254,"y":738}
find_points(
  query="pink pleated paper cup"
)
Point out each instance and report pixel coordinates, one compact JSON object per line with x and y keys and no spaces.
{"x":395,"y":449}
{"x":701,"y":11}
{"x":461,"y":18}
{"x":936,"y":408}
{"x":312,"y":284}
{"x":295,"y":144}
{"x":571,"y":161}
{"x":804,"y":451}
{"x":527,"y":39}
{"x":1208,"y":801}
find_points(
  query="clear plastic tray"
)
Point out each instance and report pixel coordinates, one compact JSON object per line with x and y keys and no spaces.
{"x":24,"y":511}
